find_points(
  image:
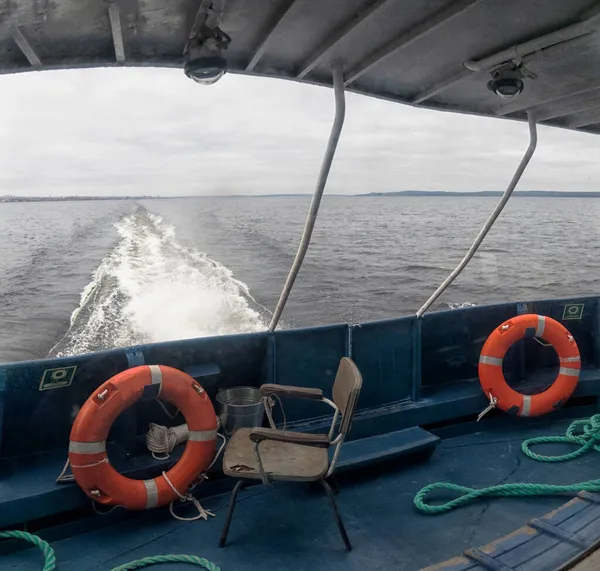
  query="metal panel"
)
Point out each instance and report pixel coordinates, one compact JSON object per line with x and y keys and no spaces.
{"x":241,"y":360}
{"x":239,"y":357}
{"x":383,"y":351}
{"x":583,"y":330}
{"x":452,"y":341}
{"x":309,"y":358}
{"x":38,"y":420}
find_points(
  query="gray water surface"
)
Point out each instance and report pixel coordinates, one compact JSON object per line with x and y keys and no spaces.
{"x":83,"y":276}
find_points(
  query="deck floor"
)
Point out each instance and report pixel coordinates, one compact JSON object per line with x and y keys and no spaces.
{"x":290,"y":526}
{"x":591,"y":563}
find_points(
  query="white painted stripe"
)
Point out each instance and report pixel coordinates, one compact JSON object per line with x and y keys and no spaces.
{"x":151,"y":494}
{"x":539,"y":332}
{"x":87,"y":447}
{"x":156,"y":375}
{"x":202,"y":435}
{"x":570,"y":359}
{"x":568,"y":371}
{"x":490,"y":360}
{"x":526,"y":405}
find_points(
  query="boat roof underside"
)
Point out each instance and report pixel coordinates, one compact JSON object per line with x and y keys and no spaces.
{"x":401,"y":50}
{"x":290,"y":526}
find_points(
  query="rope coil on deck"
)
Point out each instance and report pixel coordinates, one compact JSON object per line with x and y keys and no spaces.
{"x":50,"y":558}
{"x":588,"y":439}
{"x":48,"y":552}
{"x":146,"y":561}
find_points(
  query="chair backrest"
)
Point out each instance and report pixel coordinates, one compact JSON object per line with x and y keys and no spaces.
{"x":346,"y":387}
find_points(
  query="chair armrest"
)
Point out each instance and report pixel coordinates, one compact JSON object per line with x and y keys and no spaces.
{"x":289,"y":391}
{"x":257,"y":435}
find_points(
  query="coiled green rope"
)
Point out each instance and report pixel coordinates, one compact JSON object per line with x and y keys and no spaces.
{"x":192,"y":559}
{"x":584,"y":433}
{"x":49,"y":557}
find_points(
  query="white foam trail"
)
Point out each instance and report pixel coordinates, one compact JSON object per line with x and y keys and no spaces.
{"x":151,"y":288}
{"x":459,"y":305}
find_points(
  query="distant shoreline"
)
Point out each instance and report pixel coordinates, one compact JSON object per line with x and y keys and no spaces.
{"x":400,"y":193}
{"x":522,"y":193}
{"x":11,"y":199}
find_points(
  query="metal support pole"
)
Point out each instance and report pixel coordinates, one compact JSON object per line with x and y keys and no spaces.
{"x":336,"y":129}
{"x":490,"y":222}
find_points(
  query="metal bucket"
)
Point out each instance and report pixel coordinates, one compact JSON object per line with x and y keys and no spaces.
{"x":240,"y":407}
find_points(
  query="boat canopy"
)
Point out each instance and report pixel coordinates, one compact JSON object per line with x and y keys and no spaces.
{"x":485,"y":57}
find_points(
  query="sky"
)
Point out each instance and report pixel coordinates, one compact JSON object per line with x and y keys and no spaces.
{"x":141,"y":131}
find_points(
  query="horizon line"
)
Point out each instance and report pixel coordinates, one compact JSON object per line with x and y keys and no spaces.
{"x":8,"y":198}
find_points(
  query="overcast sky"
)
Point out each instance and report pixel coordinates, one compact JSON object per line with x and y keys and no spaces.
{"x":153,"y":131}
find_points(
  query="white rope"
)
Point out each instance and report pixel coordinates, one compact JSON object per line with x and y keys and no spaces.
{"x":161,"y":440}
{"x":105,"y":512}
{"x":103,"y":461}
{"x":202,"y":513}
{"x":63,"y":477}
{"x":542,"y":343}
{"x":173,"y":415}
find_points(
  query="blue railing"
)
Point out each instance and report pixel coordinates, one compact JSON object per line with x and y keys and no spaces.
{"x":416,"y":371}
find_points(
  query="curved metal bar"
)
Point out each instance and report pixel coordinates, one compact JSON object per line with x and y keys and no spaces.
{"x":490,"y":222}
{"x":336,"y":129}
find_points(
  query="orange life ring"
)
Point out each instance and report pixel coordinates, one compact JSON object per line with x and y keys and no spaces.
{"x":492,"y":379}
{"x":87,"y":447}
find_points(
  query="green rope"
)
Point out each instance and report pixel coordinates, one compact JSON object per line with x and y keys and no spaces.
{"x":49,"y":557}
{"x":587,"y":439}
{"x":191,"y":559}
{"x":583,"y":433}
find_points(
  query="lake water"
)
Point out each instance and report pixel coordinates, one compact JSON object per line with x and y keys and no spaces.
{"x":84,"y":276}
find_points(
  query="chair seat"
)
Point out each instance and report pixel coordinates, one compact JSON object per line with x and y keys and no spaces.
{"x":281,"y":460}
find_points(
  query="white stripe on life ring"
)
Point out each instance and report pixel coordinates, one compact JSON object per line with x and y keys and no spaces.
{"x":486,"y":360}
{"x":156,"y":377}
{"x":568,"y":371}
{"x":526,"y":405}
{"x":202,"y":435}
{"x":541,"y":325}
{"x":151,"y":494}
{"x":87,"y":447}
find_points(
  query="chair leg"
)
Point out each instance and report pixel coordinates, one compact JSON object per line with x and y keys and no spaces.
{"x":336,"y":514}
{"x":333,"y":484}
{"x":239,"y":486}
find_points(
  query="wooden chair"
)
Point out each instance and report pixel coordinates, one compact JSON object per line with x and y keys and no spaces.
{"x":269,"y":454}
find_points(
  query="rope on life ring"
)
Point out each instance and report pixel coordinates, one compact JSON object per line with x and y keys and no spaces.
{"x":87,"y":447}
{"x":492,"y":379}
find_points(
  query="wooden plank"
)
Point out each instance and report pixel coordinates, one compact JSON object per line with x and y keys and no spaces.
{"x":591,"y":563}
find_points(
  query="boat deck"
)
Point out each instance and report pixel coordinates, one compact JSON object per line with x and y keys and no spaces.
{"x":290,"y":526}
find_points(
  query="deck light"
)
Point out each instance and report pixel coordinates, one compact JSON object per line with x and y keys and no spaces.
{"x":204,"y":62}
{"x":506,"y":82}
{"x":206,"y":70}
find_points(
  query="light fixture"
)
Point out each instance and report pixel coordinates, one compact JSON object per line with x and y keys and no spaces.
{"x":507,"y":80}
{"x":206,"y":70}
{"x":204,"y":61}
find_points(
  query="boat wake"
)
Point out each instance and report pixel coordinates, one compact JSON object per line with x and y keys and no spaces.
{"x":151,"y":288}
{"x":460,"y":305}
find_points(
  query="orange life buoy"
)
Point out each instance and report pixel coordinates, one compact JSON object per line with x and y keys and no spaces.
{"x":492,"y":379}
{"x":87,"y":447}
